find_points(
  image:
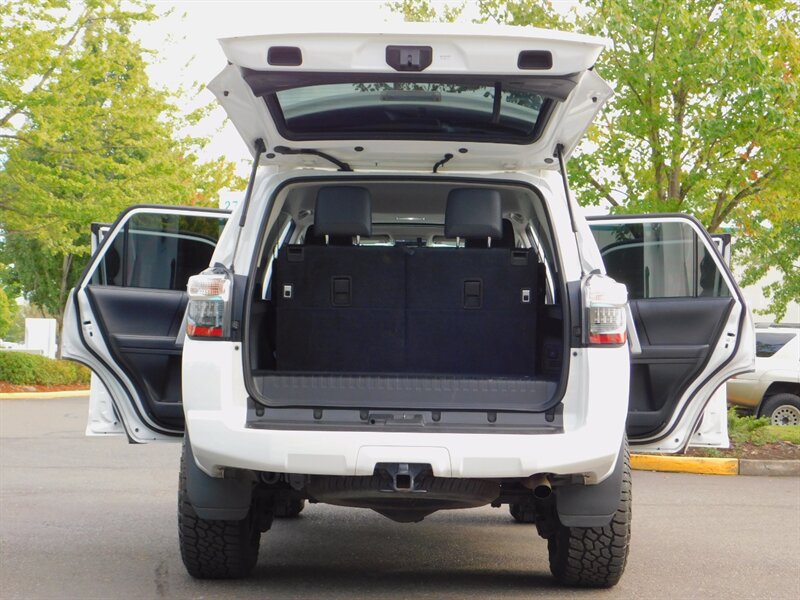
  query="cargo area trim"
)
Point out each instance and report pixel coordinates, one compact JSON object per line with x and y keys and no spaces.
{"x":403,"y":421}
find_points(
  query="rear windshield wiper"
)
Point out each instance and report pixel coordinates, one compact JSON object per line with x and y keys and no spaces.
{"x":343,"y":166}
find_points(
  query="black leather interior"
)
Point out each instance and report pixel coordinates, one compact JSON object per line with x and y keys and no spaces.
{"x":473,"y":214}
{"x":343,"y":211}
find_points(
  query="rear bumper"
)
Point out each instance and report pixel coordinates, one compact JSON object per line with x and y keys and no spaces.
{"x":745,"y":392}
{"x":595,"y":408}
{"x":218,"y":444}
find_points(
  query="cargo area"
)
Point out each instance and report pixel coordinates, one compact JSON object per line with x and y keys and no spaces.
{"x":406,"y":295}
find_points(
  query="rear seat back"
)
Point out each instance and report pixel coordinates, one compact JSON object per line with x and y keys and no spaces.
{"x":466,"y":311}
{"x":472,"y":310}
{"x":340,"y":307}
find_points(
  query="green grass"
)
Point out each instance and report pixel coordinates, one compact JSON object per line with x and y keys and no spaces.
{"x":785,"y":433}
{"x":20,"y":368}
{"x":758,"y":431}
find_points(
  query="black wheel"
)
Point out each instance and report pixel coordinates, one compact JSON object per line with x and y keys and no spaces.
{"x":214,"y":549}
{"x":289,"y":509}
{"x":782,"y":409}
{"x":522,"y":513}
{"x":594,"y":556}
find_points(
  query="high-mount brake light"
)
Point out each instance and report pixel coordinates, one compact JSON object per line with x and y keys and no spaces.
{"x":606,"y":316}
{"x":208,"y":313}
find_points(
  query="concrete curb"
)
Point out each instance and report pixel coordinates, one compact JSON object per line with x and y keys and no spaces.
{"x":774,"y":468}
{"x":43,"y":395}
{"x":715,"y":466}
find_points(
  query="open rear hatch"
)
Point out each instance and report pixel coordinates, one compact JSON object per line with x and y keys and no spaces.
{"x":407,"y":326}
{"x":489,"y":98}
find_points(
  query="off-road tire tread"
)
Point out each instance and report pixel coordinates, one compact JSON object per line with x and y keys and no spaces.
{"x":594,"y":557}
{"x":213,"y":549}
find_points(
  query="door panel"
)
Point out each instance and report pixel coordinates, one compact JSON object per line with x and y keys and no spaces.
{"x":125,"y":317}
{"x":680,"y":321}
{"x":675,"y":336}
{"x":688,"y":314}
{"x":123,"y":314}
{"x":145,"y":341}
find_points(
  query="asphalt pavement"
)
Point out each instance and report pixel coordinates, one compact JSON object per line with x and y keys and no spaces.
{"x":96,"y":518}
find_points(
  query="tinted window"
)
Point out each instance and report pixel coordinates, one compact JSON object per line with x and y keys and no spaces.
{"x":411,"y":109}
{"x":659,"y":260}
{"x":768,"y":343}
{"x":159,"y":251}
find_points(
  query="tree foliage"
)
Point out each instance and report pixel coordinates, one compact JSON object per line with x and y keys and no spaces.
{"x":83,"y":134}
{"x":423,"y":11}
{"x":7,"y":313}
{"x":705,"y":119}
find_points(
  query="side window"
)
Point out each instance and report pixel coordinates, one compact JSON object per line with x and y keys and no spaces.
{"x":159,"y":251}
{"x":659,"y":260}
{"x":768,"y":343}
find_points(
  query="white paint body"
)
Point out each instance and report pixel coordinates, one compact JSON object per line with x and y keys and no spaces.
{"x":595,"y":400}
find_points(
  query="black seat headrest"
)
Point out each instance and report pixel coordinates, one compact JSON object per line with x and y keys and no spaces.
{"x":473,"y":213}
{"x":343,"y":211}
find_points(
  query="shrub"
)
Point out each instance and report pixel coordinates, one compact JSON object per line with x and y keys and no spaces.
{"x":758,"y":431}
{"x":21,"y":368}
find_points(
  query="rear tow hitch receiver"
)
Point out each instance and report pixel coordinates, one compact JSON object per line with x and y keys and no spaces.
{"x":403,"y":477}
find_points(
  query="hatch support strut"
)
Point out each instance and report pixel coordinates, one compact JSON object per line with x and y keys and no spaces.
{"x":563,"y":168}
{"x":568,"y":196}
{"x":260,"y":148}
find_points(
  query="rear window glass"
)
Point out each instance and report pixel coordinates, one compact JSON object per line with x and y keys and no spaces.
{"x":659,"y":260}
{"x":404,"y":110}
{"x":768,"y":343}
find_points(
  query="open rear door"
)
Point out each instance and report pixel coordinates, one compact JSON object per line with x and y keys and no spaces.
{"x":124,"y":319}
{"x":692,"y":330}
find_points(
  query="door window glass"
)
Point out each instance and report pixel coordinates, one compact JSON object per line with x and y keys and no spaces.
{"x":659,"y":260}
{"x":159,"y":251}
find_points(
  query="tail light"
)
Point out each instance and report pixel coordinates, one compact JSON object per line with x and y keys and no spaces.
{"x":605,"y":303}
{"x":208,"y":313}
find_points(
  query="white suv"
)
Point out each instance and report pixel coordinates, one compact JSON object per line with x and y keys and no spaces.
{"x":407,"y":312}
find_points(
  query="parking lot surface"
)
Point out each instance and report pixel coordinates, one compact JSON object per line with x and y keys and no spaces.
{"x":96,"y":518}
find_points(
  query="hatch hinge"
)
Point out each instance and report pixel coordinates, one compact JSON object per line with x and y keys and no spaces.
{"x":343,"y":166}
{"x":447,"y":157}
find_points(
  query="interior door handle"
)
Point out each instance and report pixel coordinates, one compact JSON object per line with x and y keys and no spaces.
{"x":633,"y":337}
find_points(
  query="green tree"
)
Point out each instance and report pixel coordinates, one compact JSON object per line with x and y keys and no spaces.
{"x":422,"y":11}
{"x":705,"y":119}
{"x":83,"y":134}
{"x":7,"y":313}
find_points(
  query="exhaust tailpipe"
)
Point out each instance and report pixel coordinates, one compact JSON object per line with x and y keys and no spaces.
{"x":540,"y":485}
